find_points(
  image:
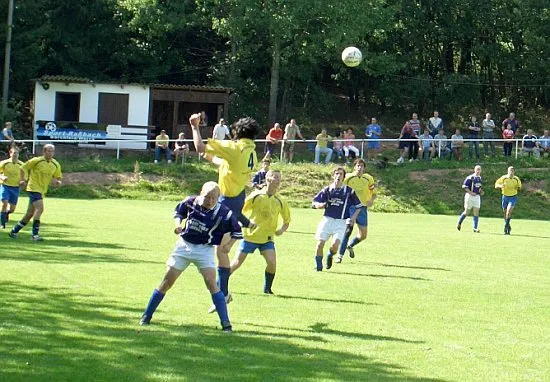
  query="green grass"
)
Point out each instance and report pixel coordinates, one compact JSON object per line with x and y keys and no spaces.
{"x":421,"y":301}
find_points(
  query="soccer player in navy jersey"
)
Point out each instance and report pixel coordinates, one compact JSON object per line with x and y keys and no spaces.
{"x":336,"y":200}
{"x":472,"y":197}
{"x":259,"y":178}
{"x":206,"y":222}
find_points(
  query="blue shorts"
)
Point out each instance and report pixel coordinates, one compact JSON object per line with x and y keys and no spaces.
{"x":362,"y":218}
{"x":34,"y":196}
{"x":509,"y":201}
{"x":248,"y":247}
{"x":373,"y":144}
{"x":235,"y":204}
{"x":9,"y":193}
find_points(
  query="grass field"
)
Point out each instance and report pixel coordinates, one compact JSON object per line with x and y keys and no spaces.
{"x":421,"y":301}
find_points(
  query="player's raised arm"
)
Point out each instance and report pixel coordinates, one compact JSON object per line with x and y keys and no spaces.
{"x":194,"y":122}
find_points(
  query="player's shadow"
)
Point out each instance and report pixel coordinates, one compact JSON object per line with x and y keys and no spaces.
{"x":62,"y":328}
{"x":308,"y":298}
{"x":300,"y":232}
{"x":516,"y":235}
{"x":408,"y":267}
{"x":381,"y":276}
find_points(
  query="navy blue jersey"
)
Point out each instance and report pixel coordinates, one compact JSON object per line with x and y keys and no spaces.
{"x":203,"y":226}
{"x":338,"y":201}
{"x":473,"y":183}
{"x":259,"y":178}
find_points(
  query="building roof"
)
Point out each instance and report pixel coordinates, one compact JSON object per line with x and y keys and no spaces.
{"x":83,"y":80}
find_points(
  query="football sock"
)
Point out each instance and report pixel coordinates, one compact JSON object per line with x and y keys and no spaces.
{"x":16,"y":228}
{"x":507,"y":220}
{"x":268,"y":281}
{"x":221,"y":307}
{"x":3,"y":218}
{"x":461,"y":218}
{"x":223,"y":279}
{"x":476,"y":220}
{"x":354,"y":242}
{"x":154,"y":302}
{"x":344,"y":243}
{"x":319,"y":262}
{"x":35,"y":227}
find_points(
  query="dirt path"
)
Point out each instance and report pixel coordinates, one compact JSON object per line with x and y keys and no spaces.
{"x":101,"y":178}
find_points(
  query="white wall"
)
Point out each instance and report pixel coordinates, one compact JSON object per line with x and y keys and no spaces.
{"x":138,"y":103}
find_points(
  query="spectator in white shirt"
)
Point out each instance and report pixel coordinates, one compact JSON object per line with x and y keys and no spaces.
{"x":221,"y":131}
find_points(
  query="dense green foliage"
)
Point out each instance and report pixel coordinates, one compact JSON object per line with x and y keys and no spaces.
{"x":282,"y":57}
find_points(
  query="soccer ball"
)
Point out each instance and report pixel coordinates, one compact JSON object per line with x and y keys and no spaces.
{"x":352,"y":56}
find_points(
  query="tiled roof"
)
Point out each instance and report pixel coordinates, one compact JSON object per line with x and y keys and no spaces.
{"x":83,"y":80}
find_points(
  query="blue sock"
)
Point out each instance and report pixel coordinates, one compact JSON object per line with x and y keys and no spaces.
{"x":268,"y":281}
{"x":223,"y":279}
{"x":354,"y":242}
{"x":507,"y":221}
{"x":221,"y":307}
{"x":154,"y":302}
{"x":476,"y":220}
{"x":3,"y":218}
{"x":16,"y":228}
{"x":319,"y":262}
{"x":461,"y":218}
{"x":344,"y":243}
{"x":35,"y":227}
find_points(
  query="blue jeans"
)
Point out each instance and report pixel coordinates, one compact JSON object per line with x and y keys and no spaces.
{"x":159,"y":151}
{"x":473,"y":145}
{"x":323,"y":150}
{"x":487,"y":144}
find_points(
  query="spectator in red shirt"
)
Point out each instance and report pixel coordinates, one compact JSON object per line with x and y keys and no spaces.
{"x":272,"y":139}
{"x":508,"y":135}
{"x":515,"y":123}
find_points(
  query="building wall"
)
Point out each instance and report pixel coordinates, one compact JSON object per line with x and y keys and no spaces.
{"x":138,"y":105}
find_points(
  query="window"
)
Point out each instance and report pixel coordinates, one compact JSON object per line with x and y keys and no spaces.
{"x":113,"y":108}
{"x":67,"y":106}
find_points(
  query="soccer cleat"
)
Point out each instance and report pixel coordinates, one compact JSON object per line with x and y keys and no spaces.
{"x":338,"y":259}
{"x":476,"y":230}
{"x":226,"y":327}
{"x":507,"y":229}
{"x":329,"y":261}
{"x":144,"y":320}
{"x":351,"y":251}
{"x":317,"y":269}
{"x":13,"y":235}
{"x":458,"y":226}
{"x":268,"y":291}
{"x":228,"y":299}
{"x":36,"y":238}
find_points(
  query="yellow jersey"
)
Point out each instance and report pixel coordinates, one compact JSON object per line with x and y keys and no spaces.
{"x":239,"y":159}
{"x":12,"y":171}
{"x":364,"y":186}
{"x":41,"y":172}
{"x":264,"y":210}
{"x":511,"y":185}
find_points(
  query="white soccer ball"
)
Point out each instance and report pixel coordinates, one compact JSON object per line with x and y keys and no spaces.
{"x":352,"y":56}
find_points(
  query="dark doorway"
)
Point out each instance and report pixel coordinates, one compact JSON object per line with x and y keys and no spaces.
{"x":67,"y":107}
{"x":163,"y":117}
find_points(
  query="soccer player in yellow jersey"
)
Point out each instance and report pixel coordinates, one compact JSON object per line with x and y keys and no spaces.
{"x":509,"y":185}
{"x":365,"y":187}
{"x":11,"y":174}
{"x":42,"y":171}
{"x":236,"y":160}
{"x":264,"y":208}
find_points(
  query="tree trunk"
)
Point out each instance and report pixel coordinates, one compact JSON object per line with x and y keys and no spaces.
{"x":274,"y":87}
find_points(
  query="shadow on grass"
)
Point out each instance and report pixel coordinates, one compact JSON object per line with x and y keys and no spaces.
{"x":289,"y":297}
{"x":409,"y":267}
{"x":516,"y":235}
{"x":48,"y":335}
{"x":381,"y":276}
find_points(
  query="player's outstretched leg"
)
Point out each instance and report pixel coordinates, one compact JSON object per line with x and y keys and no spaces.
{"x":158,"y":294}
{"x":460,"y":220}
{"x":209,"y":275}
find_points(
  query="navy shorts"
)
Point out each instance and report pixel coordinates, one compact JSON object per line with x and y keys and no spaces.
{"x":235,"y":204}
{"x":34,"y":196}
{"x":9,"y":193}
{"x":248,"y":247}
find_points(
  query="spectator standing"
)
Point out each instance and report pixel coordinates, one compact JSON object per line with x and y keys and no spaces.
{"x":291,"y":131}
{"x":530,"y":144}
{"x":373,"y":132}
{"x":457,"y":143}
{"x":508,"y":136}
{"x":416,"y":127}
{"x":488,"y":126}
{"x":515,"y":123}
{"x":221,"y":131}
{"x":272,"y":139}
{"x":435,"y":124}
{"x":474,"y":129}
{"x":404,"y":141}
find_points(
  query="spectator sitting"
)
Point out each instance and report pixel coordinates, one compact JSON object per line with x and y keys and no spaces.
{"x":530,"y":144}
{"x":427,"y":145}
{"x":221,"y":131}
{"x":258,"y":181}
{"x":349,"y":144}
{"x":322,"y":146}
{"x":441,"y":144}
{"x":337,"y":147}
{"x":544,"y":142}
{"x":457,"y":143}
{"x":162,"y":147}
{"x":7,"y":133}
{"x":181,"y":148}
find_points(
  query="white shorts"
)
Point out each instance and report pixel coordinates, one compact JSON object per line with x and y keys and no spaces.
{"x":331,"y":227}
{"x":186,"y":253}
{"x":471,"y":201}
